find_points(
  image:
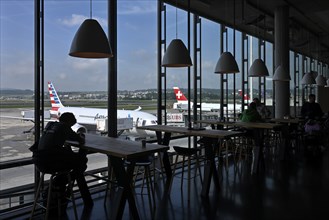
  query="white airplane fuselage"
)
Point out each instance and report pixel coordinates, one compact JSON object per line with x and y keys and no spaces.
{"x":206,"y":107}
{"x":182,"y":104}
{"x":88,"y":116}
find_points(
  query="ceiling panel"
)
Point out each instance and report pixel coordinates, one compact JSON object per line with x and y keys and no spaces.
{"x":309,"y":20}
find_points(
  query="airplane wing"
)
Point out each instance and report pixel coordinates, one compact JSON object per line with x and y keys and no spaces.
{"x":26,"y":118}
{"x":28,"y":115}
{"x":138,"y":109}
{"x":30,"y":119}
{"x":18,"y":118}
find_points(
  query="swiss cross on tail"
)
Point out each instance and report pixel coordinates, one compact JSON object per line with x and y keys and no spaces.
{"x":179,"y":95}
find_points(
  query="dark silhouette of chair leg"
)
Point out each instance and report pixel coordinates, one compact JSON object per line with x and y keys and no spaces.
{"x":50,"y":193}
{"x":190,"y":153}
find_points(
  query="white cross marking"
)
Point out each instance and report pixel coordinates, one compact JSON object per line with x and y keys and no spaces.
{"x":179,"y":94}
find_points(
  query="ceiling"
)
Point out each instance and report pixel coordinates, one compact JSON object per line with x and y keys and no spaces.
{"x":308,"y":20}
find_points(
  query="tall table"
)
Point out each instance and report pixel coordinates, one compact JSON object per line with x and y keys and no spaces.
{"x":288,"y":121}
{"x":209,"y":137}
{"x":117,"y":150}
{"x":258,"y":128}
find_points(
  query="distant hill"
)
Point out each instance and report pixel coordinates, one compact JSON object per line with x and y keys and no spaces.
{"x":8,"y":91}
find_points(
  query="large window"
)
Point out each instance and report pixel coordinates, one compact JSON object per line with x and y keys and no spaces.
{"x":16,"y":80}
{"x":75,"y":79}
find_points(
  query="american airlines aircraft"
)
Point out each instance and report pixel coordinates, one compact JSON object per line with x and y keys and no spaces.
{"x":87,"y":117}
{"x":182,"y":103}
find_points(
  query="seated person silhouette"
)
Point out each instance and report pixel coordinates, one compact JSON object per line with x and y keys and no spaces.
{"x":311,"y":109}
{"x":52,"y":155}
{"x":251,"y":114}
{"x":262,"y":109}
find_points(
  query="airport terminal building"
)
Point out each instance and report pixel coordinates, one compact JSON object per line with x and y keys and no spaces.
{"x":191,"y":159}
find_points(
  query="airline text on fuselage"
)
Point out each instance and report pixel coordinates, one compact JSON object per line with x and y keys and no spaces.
{"x":98,"y":116}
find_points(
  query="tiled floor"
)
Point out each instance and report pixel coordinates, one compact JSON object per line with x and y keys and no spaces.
{"x":297,"y":188}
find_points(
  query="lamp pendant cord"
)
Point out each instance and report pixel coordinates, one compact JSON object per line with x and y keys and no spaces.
{"x":176,"y":22}
{"x":91,"y":7}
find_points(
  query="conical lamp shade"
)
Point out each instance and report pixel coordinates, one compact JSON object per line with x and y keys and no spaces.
{"x":176,"y":55}
{"x":90,"y":41}
{"x":308,"y":79}
{"x":280,"y":74}
{"x":258,"y":69}
{"x":226,"y":64}
{"x":320,"y":81}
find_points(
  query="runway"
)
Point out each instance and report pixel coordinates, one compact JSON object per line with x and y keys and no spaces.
{"x":14,"y":144}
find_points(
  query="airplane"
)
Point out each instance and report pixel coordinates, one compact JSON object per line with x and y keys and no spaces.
{"x":87,"y":117}
{"x":182,"y":103}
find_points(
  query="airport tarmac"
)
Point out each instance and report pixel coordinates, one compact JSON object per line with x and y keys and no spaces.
{"x":14,"y":144}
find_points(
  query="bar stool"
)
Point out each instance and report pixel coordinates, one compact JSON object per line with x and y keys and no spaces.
{"x":274,"y":141}
{"x":142,"y":167}
{"x":225,"y":150}
{"x":110,"y":180}
{"x":191,"y":153}
{"x":50,"y":191}
{"x":243,"y":147}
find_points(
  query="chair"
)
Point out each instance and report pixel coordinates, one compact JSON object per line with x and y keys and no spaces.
{"x":142,"y":167}
{"x":191,"y":153}
{"x":110,"y":180}
{"x":242,"y":146}
{"x":51,"y":190}
{"x":274,"y":140}
{"x":144,"y":163}
{"x":225,"y":150}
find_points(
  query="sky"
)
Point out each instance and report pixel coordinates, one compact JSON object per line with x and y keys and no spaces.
{"x":137,"y":45}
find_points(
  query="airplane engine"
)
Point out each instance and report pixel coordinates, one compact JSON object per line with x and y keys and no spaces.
{"x":79,"y":128}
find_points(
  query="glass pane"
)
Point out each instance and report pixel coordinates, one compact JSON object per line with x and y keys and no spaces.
{"x":17,"y":77}
{"x":16,"y":93}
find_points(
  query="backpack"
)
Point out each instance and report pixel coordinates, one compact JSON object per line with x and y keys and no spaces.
{"x":312,"y":126}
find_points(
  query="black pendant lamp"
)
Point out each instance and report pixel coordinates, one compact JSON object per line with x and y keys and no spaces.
{"x":176,"y":55}
{"x":320,"y":80}
{"x":90,"y":41}
{"x":226,"y":62}
{"x":258,"y":69}
{"x":280,"y":74}
{"x":309,"y":78}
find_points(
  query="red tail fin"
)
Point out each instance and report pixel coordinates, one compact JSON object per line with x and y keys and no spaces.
{"x":245,"y":97}
{"x":179,"y":95}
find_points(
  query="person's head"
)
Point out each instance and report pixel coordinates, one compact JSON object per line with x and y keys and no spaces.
{"x":252,"y":105}
{"x":68,"y":118}
{"x":311,"y":98}
{"x":256,"y":101}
